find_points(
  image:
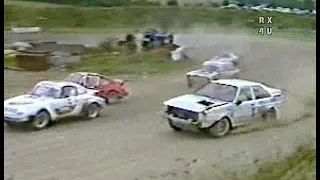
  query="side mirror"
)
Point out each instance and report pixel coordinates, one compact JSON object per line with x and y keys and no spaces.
{"x":238,"y":103}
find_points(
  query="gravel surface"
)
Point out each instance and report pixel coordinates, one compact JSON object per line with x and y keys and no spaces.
{"x":131,"y":141}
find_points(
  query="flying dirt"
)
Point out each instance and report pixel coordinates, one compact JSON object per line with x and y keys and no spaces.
{"x":131,"y":140}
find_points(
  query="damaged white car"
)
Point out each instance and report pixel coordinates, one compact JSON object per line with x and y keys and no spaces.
{"x":51,"y":101}
{"x":212,"y":70}
{"x":227,"y":57}
{"x":222,"y":105}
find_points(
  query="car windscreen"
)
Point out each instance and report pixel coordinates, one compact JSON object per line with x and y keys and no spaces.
{"x":46,"y":91}
{"x":218,"y":91}
{"x":76,"y":78}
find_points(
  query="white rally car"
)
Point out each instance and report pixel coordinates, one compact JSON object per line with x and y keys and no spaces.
{"x":50,"y":101}
{"x":222,"y":105}
{"x":212,"y":70}
{"x":226,"y":65}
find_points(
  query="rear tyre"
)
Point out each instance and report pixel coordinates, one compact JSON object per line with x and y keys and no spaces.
{"x":93,"y":111}
{"x":106,"y":100}
{"x":175,"y":128}
{"x":270,"y":115}
{"x":221,"y":128}
{"x":41,"y":120}
{"x":113,"y":96}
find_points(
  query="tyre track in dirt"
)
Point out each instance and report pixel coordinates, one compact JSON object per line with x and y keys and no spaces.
{"x":131,"y":140}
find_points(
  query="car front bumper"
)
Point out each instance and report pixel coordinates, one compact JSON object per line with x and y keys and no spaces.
{"x":184,"y":124}
{"x":16,"y":119}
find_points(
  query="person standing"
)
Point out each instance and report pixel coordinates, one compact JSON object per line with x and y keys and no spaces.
{"x":139,"y":39}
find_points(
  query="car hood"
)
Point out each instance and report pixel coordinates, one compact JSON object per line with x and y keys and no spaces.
{"x":25,"y":100}
{"x":194,"y":102}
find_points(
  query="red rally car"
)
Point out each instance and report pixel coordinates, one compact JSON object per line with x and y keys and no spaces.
{"x":100,"y":85}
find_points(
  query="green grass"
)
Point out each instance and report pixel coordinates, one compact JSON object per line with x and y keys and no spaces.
{"x":301,"y":165}
{"x":103,"y":3}
{"x":58,"y":16}
{"x":122,"y":63}
{"x":145,"y":63}
{"x":9,"y":61}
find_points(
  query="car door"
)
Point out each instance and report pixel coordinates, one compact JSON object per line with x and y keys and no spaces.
{"x":263,"y":98}
{"x":244,"y":106}
{"x":67,"y":104}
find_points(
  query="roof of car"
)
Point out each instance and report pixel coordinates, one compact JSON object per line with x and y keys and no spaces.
{"x":236,"y":82}
{"x":59,"y":84}
{"x":87,"y":73}
{"x":216,"y":63}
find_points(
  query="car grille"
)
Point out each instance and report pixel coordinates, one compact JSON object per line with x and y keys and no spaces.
{"x":10,"y":109}
{"x":182,"y":113}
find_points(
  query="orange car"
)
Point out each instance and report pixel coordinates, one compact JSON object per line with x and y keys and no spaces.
{"x":102,"y":86}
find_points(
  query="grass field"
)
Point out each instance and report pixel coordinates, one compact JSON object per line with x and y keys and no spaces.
{"x":145,"y":63}
{"x":301,"y":165}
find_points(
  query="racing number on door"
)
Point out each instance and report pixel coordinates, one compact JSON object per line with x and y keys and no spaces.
{"x":66,"y":107}
{"x":65,"y":110}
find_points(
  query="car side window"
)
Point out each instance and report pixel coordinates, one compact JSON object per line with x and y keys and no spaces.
{"x":245,"y":94}
{"x":104,"y":81}
{"x":90,"y":81}
{"x":260,"y":93}
{"x":68,"y":91}
{"x":83,"y":81}
{"x":94,"y":81}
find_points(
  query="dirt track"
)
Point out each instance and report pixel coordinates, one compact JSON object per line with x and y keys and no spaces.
{"x":131,"y":140}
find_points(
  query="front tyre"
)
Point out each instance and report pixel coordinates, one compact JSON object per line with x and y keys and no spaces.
{"x":175,"y":128}
{"x":93,"y":111}
{"x":221,"y":128}
{"x":41,"y":120}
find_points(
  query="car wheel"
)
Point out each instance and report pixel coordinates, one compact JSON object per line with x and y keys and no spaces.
{"x":93,"y":111}
{"x":221,"y":128}
{"x":175,"y":128}
{"x":270,"y":115}
{"x":113,"y":96}
{"x":106,"y":100}
{"x":41,"y":120}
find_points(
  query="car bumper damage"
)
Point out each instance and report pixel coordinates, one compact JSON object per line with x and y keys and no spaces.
{"x":185,"y":124}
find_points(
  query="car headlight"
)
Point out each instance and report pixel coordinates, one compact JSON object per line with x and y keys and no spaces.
{"x":20,"y":113}
{"x":202,"y":116}
{"x":164,"y":108}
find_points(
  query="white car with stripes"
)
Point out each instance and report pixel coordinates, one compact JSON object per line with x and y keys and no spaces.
{"x":222,"y":105}
{"x":51,"y":101}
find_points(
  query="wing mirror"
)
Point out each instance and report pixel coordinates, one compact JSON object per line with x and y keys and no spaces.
{"x":238,"y":102}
